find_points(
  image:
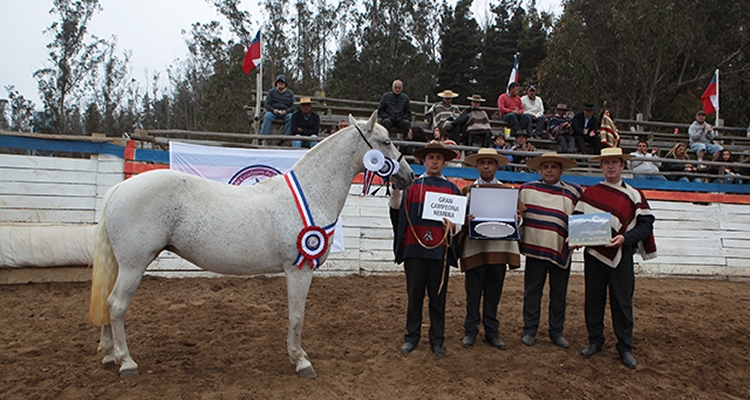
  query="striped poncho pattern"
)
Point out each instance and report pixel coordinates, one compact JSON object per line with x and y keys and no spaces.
{"x":625,"y":203}
{"x":429,"y":232}
{"x":545,"y":223}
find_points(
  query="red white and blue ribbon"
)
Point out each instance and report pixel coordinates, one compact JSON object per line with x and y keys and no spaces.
{"x":312,"y":241}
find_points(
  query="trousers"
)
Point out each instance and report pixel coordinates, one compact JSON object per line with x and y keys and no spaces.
{"x":424,"y":275}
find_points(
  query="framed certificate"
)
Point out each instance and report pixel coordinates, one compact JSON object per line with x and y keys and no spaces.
{"x":494,"y":210}
{"x":589,"y":229}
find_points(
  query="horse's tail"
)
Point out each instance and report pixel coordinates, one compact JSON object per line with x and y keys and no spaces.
{"x":105,"y":268}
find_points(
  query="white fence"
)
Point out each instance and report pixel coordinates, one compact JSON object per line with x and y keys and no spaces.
{"x":692,"y":239}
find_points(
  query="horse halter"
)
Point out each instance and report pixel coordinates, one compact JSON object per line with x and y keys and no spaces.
{"x":377,"y":164}
{"x":361,"y":134}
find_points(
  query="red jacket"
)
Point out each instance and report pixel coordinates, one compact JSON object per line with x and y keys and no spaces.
{"x":507,"y":104}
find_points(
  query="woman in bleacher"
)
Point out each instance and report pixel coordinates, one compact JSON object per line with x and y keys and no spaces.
{"x":679,"y":152}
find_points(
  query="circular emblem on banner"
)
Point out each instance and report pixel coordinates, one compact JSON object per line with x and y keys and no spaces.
{"x":312,"y":242}
{"x":253,"y":174}
{"x":390,"y":167}
{"x":374,"y":160}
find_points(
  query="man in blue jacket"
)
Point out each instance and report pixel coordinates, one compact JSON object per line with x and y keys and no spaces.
{"x":279,"y":105}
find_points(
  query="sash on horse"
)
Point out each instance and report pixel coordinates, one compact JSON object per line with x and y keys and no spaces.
{"x":625,"y":204}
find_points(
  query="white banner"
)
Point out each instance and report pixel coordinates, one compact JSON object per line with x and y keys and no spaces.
{"x":239,"y":167}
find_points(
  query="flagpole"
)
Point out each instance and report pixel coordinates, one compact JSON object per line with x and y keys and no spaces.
{"x":718,"y":102}
{"x":259,"y":82}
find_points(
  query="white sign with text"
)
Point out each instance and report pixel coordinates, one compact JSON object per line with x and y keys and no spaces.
{"x":440,"y":205}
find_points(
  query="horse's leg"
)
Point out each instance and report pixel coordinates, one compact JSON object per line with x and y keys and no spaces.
{"x":298,"y":284}
{"x":107,"y":347}
{"x":127,"y":282}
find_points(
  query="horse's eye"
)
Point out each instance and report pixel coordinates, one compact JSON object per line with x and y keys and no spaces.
{"x":387,"y":142}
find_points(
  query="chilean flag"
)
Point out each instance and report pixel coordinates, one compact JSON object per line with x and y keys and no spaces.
{"x":513,"y":73}
{"x":710,"y":97}
{"x":252,"y":57}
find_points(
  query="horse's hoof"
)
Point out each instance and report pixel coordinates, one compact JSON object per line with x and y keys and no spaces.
{"x":129,"y":373}
{"x":308,"y":373}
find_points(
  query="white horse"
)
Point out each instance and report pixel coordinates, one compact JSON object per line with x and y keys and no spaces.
{"x":223,"y":228}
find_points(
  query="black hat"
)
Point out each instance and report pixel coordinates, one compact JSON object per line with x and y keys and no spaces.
{"x":589,"y":106}
{"x":280,"y":78}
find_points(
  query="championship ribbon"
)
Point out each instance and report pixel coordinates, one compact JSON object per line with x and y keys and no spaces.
{"x":312,"y":241}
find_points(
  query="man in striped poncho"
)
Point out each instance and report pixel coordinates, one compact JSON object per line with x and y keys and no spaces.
{"x":425,"y":247}
{"x":612,"y":265}
{"x":548,"y":202}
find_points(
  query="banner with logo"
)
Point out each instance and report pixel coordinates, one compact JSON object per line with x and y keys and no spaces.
{"x":241,"y":167}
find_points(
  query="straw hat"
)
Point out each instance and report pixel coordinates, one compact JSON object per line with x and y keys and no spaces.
{"x":487,"y":153}
{"x":448,"y":93}
{"x":536,"y":162}
{"x":476,"y":97}
{"x":304,"y":100}
{"x":422,"y":152}
{"x":561,"y":106}
{"x":611,"y":152}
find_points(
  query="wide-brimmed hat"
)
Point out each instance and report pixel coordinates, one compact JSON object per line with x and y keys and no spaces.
{"x":532,"y":87}
{"x":561,"y":106}
{"x":536,"y":162}
{"x":589,"y":106}
{"x":304,"y":100}
{"x":422,"y":152}
{"x":447,"y":93}
{"x":611,"y":152}
{"x":487,"y":153}
{"x":476,"y":97}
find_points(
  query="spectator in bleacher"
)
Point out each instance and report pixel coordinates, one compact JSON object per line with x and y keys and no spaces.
{"x":440,"y":135}
{"x":305,"y":122}
{"x":499,"y":144}
{"x":279,"y":105}
{"x":511,"y":110}
{"x":641,"y":167}
{"x":559,"y":129}
{"x":608,"y":132}
{"x":394,"y":109}
{"x":522,"y":144}
{"x":415,"y":134}
{"x":586,"y":129}
{"x":679,"y":152}
{"x":472,"y":122}
{"x":444,"y":110}
{"x":533,"y":106}
{"x":730,"y":174}
{"x":702,"y":136}
{"x":342,"y":124}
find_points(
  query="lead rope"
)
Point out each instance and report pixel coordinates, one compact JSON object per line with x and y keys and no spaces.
{"x":447,"y":240}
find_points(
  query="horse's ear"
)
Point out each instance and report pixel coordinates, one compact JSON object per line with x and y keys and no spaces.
{"x":352,"y":120}
{"x":371,"y":122}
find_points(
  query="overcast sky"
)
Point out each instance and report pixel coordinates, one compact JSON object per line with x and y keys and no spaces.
{"x":151,"y":29}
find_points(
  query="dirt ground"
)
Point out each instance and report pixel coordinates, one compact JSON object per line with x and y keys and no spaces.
{"x":226,"y":339}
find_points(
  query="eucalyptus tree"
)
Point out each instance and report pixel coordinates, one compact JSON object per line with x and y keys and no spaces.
{"x":73,"y":56}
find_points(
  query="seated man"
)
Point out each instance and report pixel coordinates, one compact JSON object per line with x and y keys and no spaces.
{"x":444,"y":110}
{"x":702,"y":136}
{"x":305,"y":122}
{"x":511,"y":110}
{"x":279,"y":105}
{"x":558,"y":128}
{"x":586,"y":129}
{"x":472,"y":122}
{"x":643,"y":169}
{"x":394,"y":109}
{"x":533,"y":106}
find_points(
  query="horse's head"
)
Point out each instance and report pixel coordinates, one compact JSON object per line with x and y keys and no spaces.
{"x":377,"y":138}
